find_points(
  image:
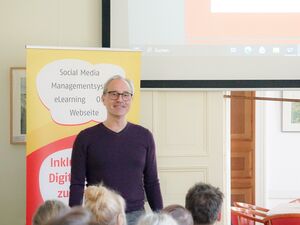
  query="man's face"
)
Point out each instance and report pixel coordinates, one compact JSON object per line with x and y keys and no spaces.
{"x":116,"y":104}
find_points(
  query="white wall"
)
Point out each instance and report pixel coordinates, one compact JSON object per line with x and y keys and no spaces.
{"x":282,"y":154}
{"x":34,"y":22}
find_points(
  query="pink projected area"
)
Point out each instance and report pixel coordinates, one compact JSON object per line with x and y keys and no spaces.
{"x":206,"y":27}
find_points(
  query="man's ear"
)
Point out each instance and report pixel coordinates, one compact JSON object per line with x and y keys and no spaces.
{"x":219,"y":216}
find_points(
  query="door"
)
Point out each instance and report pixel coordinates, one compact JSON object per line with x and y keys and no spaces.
{"x":189,"y":131}
{"x":243,"y":147}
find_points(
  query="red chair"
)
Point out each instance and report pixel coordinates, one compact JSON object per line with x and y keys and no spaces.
{"x":283,"y":219}
{"x":250,"y":206}
{"x":242,"y":216}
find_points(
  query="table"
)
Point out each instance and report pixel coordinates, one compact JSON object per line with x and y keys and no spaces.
{"x":284,"y":208}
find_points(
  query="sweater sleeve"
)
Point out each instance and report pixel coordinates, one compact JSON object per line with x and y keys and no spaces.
{"x":78,"y":171}
{"x":151,"y":181}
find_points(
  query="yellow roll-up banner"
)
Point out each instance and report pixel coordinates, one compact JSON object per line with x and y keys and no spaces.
{"x":64,"y":88}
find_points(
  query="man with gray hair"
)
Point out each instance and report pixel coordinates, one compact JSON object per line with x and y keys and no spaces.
{"x":204,"y":201}
{"x":118,"y":154}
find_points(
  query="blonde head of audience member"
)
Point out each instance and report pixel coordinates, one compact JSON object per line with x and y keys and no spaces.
{"x":156,"y":219}
{"x":180,"y":214}
{"x":107,"y":206}
{"x":76,"y":216}
{"x":48,"y":210}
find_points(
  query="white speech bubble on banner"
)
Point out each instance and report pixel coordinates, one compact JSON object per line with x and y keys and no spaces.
{"x":71,"y":89}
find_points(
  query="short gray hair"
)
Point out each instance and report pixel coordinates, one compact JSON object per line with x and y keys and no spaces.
{"x":179,"y":213}
{"x":48,"y":210}
{"x":76,"y":216}
{"x":156,"y":219}
{"x":204,"y":201}
{"x":118,"y":77}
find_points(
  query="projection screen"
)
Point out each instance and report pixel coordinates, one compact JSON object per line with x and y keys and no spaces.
{"x":210,"y":39}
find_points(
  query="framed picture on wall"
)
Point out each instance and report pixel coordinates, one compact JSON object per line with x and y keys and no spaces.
{"x":291,"y":112}
{"x":17,"y":105}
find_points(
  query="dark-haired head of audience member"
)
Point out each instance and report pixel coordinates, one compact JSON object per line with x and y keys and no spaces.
{"x":180,"y":214}
{"x":48,"y":210}
{"x":76,"y":216}
{"x":204,"y":201}
{"x":107,"y":206}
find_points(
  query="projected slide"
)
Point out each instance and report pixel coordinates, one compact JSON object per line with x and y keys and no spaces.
{"x":228,"y":21}
{"x":215,"y":27}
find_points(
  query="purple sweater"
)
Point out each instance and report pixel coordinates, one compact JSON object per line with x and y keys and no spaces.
{"x":123,"y":161}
